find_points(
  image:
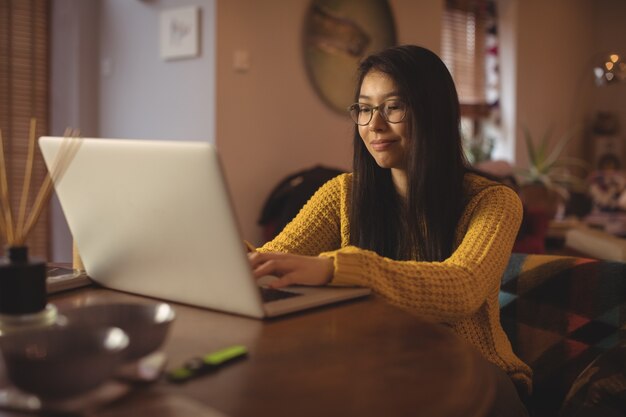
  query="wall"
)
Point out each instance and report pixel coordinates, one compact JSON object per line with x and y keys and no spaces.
{"x":558,"y":42}
{"x":554,"y":42}
{"x":107,"y":78}
{"x":610,"y":16}
{"x":142,"y":96}
{"x":507,"y":42}
{"x":270,"y":121}
{"x":74,"y":89}
{"x":546,"y":81}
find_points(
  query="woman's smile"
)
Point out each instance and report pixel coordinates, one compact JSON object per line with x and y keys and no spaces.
{"x":381,"y":145}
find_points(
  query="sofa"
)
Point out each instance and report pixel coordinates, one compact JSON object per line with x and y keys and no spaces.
{"x":561,"y":314}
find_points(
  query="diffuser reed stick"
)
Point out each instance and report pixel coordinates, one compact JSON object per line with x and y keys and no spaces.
{"x":17,"y":232}
{"x":23,"y":293}
{"x":27,"y":174}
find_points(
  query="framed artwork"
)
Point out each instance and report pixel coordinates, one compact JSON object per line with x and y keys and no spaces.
{"x":337,"y":35}
{"x":180,"y":33}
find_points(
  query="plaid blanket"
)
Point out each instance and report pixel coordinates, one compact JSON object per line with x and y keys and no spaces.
{"x":560,"y":314}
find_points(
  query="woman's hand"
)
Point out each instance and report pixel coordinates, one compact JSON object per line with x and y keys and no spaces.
{"x":292,"y":269}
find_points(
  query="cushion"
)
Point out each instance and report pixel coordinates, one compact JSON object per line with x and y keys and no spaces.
{"x":560,"y":314}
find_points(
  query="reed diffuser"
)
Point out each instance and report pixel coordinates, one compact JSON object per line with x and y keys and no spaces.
{"x":23,"y":296}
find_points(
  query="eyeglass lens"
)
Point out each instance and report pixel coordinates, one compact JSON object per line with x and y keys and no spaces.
{"x":392,"y":111}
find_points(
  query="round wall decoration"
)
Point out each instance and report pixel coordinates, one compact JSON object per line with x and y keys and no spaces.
{"x":337,"y":35}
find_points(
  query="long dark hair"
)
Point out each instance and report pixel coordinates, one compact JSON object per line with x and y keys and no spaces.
{"x":423,"y":227}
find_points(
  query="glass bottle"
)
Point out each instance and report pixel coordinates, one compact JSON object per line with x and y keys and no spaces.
{"x":23,"y":296}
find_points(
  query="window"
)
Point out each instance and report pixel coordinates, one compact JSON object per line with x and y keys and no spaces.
{"x":470,"y":51}
{"x":24,"y":94}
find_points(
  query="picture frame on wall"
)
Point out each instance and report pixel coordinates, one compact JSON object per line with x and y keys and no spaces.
{"x":180,"y":33}
{"x":337,"y":35}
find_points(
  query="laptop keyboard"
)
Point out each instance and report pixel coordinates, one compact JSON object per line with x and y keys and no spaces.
{"x":271,"y":294}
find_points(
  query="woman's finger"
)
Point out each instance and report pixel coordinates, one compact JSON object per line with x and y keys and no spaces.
{"x":282,"y":282}
{"x":277,"y":267}
{"x":257,"y":258}
{"x":291,"y":269}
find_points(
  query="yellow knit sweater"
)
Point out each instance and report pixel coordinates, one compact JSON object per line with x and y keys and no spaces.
{"x":461,"y":291}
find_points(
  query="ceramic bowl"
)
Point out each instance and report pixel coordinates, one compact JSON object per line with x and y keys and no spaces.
{"x":61,"y":362}
{"x":147,"y":325}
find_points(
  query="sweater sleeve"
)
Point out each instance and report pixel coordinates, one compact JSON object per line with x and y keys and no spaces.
{"x":455,"y":288}
{"x":316,"y":228}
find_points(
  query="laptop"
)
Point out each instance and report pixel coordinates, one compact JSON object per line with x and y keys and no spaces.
{"x":154,"y":218}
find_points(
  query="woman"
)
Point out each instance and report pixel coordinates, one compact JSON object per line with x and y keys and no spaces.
{"x":411,"y":222}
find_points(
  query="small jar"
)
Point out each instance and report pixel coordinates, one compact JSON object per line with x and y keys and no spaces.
{"x":23,"y":295}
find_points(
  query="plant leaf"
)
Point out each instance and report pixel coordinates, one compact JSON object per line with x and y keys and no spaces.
{"x":530,"y":147}
{"x":544,"y":143}
{"x":559,"y":148}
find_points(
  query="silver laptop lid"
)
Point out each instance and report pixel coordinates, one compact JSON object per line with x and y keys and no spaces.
{"x":155,"y":218}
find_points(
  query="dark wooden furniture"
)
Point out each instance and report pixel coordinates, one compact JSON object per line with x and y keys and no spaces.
{"x":359,"y":358}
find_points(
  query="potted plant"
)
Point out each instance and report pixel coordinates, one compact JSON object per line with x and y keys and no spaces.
{"x":550,"y":177}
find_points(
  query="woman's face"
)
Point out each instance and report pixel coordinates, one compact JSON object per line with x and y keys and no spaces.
{"x":386,"y":142}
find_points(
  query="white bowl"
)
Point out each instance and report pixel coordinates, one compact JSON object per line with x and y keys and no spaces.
{"x":60,"y":362}
{"x":147,"y":325}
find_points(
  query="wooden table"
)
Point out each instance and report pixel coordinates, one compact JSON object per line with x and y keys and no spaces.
{"x":358,"y":358}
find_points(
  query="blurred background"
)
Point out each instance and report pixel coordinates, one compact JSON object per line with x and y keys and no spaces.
{"x":249,"y":89}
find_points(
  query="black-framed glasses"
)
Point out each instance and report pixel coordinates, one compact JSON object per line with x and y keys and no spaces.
{"x":392,"y":111}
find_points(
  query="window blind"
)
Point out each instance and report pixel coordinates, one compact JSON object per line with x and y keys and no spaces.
{"x":464,"y":52}
{"x":24,"y":27}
